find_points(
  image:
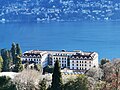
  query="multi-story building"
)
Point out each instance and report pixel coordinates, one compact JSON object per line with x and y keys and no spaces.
{"x":84,"y":61}
{"x":37,"y":57}
{"x":74,"y":60}
{"x":62,"y":56}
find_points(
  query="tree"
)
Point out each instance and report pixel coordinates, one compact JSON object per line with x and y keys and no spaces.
{"x":18,"y":50}
{"x":13,"y":52}
{"x":116,"y":67}
{"x":42,"y":84}
{"x":80,"y":83}
{"x":96,"y":73}
{"x":103,"y":61}
{"x":6,"y":83}
{"x":38,"y":67}
{"x":48,"y":69}
{"x":1,"y":63}
{"x":112,"y":75}
{"x":27,"y":79}
{"x":6,"y":60}
{"x":18,"y":66}
{"x":56,"y":77}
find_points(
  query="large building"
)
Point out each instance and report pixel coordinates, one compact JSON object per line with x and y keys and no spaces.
{"x":38,"y":57}
{"x":74,"y":60}
{"x":84,"y":61}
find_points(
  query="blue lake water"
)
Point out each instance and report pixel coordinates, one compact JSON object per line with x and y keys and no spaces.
{"x":102,"y":37}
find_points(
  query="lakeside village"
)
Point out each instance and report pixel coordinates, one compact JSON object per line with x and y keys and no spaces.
{"x":52,"y":70}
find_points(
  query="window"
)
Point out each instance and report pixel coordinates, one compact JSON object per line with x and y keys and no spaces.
{"x":72,"y":64}
{"x":77,"y":67}
{"x":85,"y":69}
{"x":72,"y":61}
{"x":77,"y":61}
{"x":90,"y":62}
{"x":82,"y":61}
{"x":76,"y":64}
{"x":85,"y":65}
{"x":85,"y":62}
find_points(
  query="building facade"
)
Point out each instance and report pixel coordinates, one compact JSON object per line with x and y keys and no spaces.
{"x":84,"y":61}
{"x":37,"y":57}
{"x":74,"y":60}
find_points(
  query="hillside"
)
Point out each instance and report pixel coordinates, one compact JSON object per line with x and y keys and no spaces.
{"x":59,"y":10}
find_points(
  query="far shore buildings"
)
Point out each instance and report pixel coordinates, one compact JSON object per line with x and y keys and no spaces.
{"x":74,"y":60}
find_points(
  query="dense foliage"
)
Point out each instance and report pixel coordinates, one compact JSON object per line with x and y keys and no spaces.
{"x":18,"y":66}
{"x":11,"y":59}
{"x":80,"y":83}
{"x":6,"y":83}
{"x":6,"y":60}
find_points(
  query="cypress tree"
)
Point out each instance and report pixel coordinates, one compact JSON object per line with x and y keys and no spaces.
{"x":18,"y":50}
{"x":13,"y":52}
{"x":18,"y":66}
{"x":6,"y":60}
{"x":56,"y":77}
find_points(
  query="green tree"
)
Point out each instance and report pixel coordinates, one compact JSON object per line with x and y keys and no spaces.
{"x":48,"y":69}
{"x":18,"y":66}
{"x":13,"y":52}
{"x":1,"y":63}
{"x":104,"y":61}
{"x":42,"y":84}
{"x":56,"y":77}
{"x":6,"y":83}
{"x":37,"y":67}
{"x":18,"y":50}
{"x":80,"y":83}
{"x":6,"y":60}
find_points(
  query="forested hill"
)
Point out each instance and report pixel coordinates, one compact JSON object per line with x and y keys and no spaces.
{"x":59,"y":10}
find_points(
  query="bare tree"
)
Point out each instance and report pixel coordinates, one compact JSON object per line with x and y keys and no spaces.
{"x":116,"y":67}
{"x":96,"y":73}
{"x":27,"y":80}
{"x":112,"y":75}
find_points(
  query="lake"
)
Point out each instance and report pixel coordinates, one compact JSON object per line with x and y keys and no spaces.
{"x":102,"y":37}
